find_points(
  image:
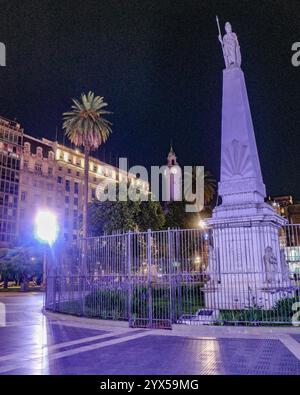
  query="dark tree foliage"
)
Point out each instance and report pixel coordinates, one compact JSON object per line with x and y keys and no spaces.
{"x":20,"y":264}
{"x":108,"y":217}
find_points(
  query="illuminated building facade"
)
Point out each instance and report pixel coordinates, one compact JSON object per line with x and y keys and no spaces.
{"x":287,"y":207}
{"x":48,"y":175}
{"x":11,"y":140}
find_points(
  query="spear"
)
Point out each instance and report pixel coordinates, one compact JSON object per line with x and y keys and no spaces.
{"x":221,"y":41}
{"x":218,"y":24}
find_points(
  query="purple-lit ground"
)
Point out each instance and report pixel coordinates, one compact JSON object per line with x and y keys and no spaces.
{"x":34,"y":344}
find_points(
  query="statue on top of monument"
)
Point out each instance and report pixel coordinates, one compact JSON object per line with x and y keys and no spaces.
{"x":230,"y":46}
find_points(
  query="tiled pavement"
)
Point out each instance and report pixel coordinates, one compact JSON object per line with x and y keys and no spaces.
{"x":34,"y":344}
{"x":296,"y":337}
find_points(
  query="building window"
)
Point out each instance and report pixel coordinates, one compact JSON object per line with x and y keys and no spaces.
{"x":50,"y":171}
{"x":77,"y":174}
{"x":50,"y":187}
{"x":76,"y":202}
{"x":69,"y":171}
{"x":67,"y":199}
{"x":38,"y":169}
{"x":66,"y":212}
{"x":23,"y":196}
{"x":59,"y":180}
{"x":60,"y":168}
{"x":76,"y":187}
{"x":93,"y":193}
{"x":67,"y":185}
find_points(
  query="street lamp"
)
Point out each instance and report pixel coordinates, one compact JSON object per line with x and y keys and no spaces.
{"x":46,"y":231}
{"x":202,"y":224}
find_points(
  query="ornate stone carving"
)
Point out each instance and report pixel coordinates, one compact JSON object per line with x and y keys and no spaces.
{"x":236,"y":160}
{"x":271,"y":265}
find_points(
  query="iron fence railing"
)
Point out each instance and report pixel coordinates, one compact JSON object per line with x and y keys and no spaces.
{"x":226,"y":275}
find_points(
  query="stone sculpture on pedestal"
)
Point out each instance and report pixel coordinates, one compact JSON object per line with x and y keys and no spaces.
{"x":245,"y":229}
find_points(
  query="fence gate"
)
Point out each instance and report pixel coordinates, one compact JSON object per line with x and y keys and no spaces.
{"x":150,"y":280}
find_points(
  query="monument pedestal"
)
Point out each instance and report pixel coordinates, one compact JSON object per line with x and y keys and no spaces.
{"x":247,"y":267}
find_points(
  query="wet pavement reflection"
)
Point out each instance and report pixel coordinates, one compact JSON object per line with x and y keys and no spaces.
{"x":32,"y":343}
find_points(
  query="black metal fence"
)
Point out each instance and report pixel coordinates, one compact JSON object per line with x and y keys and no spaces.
{"x":242,"y":274}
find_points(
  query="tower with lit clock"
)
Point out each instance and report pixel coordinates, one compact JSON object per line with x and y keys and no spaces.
{"x":175,"y":183}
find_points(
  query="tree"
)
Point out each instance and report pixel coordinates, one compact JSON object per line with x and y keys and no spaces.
{"x":117,"y":216}
{"x":209,"y":184}
{"x":85,"y":126}
{"x":177,"y":217}
{"x":209,"y":187}
{"x":20,"y":264}
{"x":108,"y":217}
{"x":150,"y":216}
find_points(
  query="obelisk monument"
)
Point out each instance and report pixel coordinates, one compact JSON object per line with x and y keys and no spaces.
{"x":244,"y":227}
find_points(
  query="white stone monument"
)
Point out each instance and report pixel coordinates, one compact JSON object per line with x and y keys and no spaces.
{"x":245,"y":264}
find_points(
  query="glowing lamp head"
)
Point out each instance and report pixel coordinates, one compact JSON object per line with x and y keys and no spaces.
{"x":202,"y":224}
{"x":46,"y":227}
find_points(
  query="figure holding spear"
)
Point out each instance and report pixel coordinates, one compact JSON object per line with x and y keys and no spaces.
{"x":230,"y":46}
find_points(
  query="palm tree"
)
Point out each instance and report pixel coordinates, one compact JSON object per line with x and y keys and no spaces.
{"x":85,"y":127}
{"x":209,"y":187}
{"x":209,"y":183}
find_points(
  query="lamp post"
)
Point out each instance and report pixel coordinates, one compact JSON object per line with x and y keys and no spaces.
{"x":202,"y":224}
{"x":46,"y":231}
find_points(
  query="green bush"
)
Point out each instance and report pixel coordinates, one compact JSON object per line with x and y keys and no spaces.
{"x":107,"y":304}
{"x":284,"y":306}
{"x":282,"y":312}
{"x":113,"y":304}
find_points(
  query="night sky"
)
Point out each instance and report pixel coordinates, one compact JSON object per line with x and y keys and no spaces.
{"x":159,"y":66}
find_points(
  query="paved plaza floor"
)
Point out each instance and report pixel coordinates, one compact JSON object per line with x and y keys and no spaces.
{"x":34,"y":343}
